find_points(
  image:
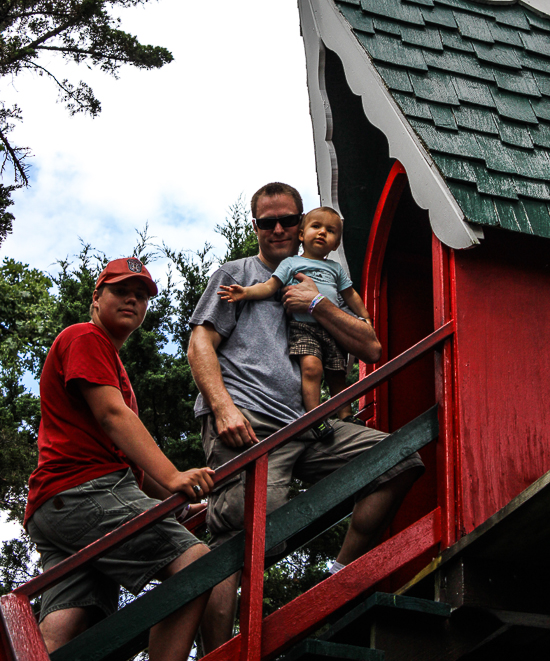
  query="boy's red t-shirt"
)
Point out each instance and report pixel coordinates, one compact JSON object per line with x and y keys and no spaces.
{"x":73,"y":448}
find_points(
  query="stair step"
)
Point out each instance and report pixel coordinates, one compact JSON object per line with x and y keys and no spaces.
{"x":381,"y":601}
{"x":312,"y":649}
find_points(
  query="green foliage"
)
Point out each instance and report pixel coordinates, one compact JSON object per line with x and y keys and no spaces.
{"x":17,"y":565}
{"x":193,"y":269}
{"x":239,"y":233}
{"x":6,"y":218}
{"x":25,"y":316}
{"x":75,"y":287}
{"x":26,"y":331}
{"x":82,"y":31}
{"x":19,"y":458}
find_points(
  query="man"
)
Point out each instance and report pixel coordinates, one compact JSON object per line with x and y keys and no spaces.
{"x":250,"y":387}
{"x":95,"y":457}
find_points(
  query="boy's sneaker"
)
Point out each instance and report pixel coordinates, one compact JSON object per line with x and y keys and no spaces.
{"x":323,"y":430}
{"x":354,"y":420}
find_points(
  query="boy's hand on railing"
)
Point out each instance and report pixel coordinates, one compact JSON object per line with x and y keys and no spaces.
{"x":232,"y":293}
{"x":195,"y":483}
{"x":233,"y":428}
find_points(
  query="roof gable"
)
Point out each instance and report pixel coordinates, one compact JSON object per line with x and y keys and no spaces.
{"x":473,"y":81}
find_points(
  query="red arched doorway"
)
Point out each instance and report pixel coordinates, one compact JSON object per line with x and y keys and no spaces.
{"x":397,"y":287}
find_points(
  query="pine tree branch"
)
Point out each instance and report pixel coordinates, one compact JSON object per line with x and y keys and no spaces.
{"x":82,"y":51}
{"x":17,"y":162}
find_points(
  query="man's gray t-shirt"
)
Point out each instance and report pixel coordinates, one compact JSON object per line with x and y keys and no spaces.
{"x":253,"y":354}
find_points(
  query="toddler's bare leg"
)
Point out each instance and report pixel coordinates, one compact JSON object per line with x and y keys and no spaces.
{"x":312,"y":373}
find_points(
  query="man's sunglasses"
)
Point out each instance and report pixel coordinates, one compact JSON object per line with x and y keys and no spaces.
{"x":285,"y":221}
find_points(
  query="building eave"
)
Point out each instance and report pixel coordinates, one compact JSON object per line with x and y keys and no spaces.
{"x":324,"y":26}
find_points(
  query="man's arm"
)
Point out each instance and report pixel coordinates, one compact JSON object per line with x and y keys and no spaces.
{"x":354,"y":335}
{"x":129,"y":434}
{"x":355,"y":303}
{"x":233,"y":428}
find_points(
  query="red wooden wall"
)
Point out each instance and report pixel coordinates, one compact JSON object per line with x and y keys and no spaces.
{"x":503,"y":369}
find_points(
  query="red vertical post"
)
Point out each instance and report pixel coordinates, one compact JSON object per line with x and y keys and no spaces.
{"x":252,"y":588}
{"x":446,"y":449}
{"x":20,"y":637}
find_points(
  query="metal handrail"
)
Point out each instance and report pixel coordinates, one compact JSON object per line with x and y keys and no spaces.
{"x":111,"y":540}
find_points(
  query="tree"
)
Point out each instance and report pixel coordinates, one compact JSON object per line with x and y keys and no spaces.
{"x":82,"y":31}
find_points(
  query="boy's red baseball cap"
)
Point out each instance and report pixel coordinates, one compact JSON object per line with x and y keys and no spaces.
{"x":122,"y":269}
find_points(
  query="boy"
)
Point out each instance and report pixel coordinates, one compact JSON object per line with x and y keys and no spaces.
{"x":95,"y":457}
{"x":320,"y":234}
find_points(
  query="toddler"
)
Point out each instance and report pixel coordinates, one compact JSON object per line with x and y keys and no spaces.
{"x":315,"y":348}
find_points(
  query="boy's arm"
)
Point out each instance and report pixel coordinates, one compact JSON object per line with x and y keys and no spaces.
{"x":355,"y":303}
{"x":257,"y":292}
{"x":129,"y":434}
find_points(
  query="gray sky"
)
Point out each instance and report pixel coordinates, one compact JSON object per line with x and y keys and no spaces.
{"x":173,"y":147}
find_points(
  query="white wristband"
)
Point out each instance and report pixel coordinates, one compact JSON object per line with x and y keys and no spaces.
{"x":314,"y":302}
{"x":182,"y":513}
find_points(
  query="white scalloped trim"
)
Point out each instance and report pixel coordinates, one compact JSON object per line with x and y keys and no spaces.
{"x":539,"y":6}
{"x":322,"y":23}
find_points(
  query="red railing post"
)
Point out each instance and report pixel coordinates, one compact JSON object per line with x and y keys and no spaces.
{"x":20,"y":636}
{"x":252,"y":586}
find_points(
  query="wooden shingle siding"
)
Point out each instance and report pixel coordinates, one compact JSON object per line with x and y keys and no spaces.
{"x":473,"y":80}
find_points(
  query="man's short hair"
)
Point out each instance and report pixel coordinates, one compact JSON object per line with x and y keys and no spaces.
{"x":276,"y":188}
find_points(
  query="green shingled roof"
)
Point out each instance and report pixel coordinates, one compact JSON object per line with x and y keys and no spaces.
{"x":473,"y":80}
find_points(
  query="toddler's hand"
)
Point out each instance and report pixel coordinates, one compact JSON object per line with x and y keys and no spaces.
{"x":231,"y":293}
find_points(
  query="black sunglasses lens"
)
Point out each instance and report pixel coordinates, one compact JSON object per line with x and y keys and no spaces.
{"x":285,"y":221}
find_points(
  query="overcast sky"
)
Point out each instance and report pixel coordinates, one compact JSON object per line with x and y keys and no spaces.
{"x":174,"y":147}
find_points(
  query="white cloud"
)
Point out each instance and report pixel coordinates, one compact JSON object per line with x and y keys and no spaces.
{"x":174,"y":147}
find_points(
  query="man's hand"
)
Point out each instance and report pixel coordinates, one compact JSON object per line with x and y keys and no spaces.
{"x":352,"y":334}
{"x":231,"y":293}
{"x":233,"y":428}
{"x":185,"y":481}
{"x":297,"y":298}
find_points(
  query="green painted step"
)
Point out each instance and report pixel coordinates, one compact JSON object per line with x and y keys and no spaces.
{"x":313,"y":649}
{"x":384,"y":601}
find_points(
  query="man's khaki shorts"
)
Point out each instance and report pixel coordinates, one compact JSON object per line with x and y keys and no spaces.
{"x":77,"y":517}
{"x":305,"y":458}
